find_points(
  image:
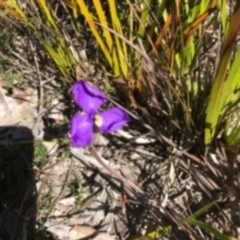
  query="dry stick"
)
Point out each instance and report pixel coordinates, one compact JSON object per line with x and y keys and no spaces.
{"x":40,"y":92}
{"x":138,"y":190}
{"x":178,"y":223}
{"x":114,"y":173}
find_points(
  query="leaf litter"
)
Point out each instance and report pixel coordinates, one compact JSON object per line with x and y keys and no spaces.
{"x":104,"y":205}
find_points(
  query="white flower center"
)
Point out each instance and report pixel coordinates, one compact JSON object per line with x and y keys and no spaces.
{"x":98,"y":120}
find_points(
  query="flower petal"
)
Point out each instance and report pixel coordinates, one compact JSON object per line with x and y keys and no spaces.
{"x":111,"y":120}
{"x":87,"y":97}
{"x":81,"y":130}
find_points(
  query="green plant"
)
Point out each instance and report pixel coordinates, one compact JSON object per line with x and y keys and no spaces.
{"x":12,"y":78}
{"x":80,"y":197}
{"x":40,"y":154}
{"x":55,"y":42}
{"x":6,"y":35}
{"x":77,"y":190}
{"x":192,"y":220}
{"x":6,"y":38}
{"x":47,"y":206}
{"x":47,"y":203}
{"x":41,"y":233}
{"x":224,"y":93}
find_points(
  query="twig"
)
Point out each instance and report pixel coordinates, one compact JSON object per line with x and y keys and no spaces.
{"x":40,"y":90}
{"x":125,"y":181}
{"x":132,"y":185}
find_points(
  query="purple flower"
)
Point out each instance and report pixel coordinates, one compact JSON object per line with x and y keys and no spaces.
{"x":89,"y":99}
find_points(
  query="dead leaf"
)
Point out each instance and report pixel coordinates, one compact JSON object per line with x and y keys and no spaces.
{"x":78,"y":232}
{"x":104,"y":236}
{"x":61,"y":231}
